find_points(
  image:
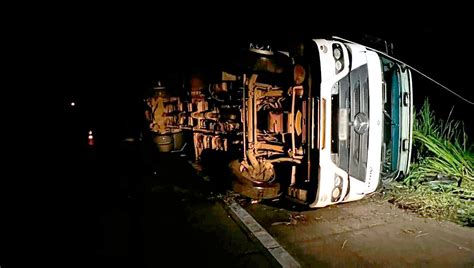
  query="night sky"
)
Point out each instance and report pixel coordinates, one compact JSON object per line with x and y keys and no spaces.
{"x":111,"y":60}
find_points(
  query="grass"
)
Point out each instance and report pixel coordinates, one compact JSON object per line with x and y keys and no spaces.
{"x":441,"y":179}
{"x":432,"y":203}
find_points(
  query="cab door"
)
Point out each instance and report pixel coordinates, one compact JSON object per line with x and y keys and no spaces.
{"x":406,"y":120}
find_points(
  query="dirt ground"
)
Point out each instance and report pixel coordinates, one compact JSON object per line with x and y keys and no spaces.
{"x":367,"y":233}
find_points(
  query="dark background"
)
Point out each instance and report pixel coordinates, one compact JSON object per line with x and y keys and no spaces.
{"x":104,"y":58}
{"x":109,"y":63}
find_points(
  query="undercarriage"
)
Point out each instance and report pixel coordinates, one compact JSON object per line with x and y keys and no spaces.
{"x":257,"y":111}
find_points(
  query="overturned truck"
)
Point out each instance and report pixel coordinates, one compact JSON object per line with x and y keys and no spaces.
{"x":321,"y":122}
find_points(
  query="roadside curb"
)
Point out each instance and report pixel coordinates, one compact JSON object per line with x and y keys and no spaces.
{"x":278,"y":253}
{"x":270,"y":244}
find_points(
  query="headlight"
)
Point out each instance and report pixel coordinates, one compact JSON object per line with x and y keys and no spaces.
{"x":337,"y":190}
{"x":337,"y":53}
{"x":336,"y":193}
{"x":338,"y":57}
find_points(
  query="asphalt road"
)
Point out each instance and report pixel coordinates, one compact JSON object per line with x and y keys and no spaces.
{"x":162,"y":214}
{"x":172,"y":210}
{"x":137,"y":208}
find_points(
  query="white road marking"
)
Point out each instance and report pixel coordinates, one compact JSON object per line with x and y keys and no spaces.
{"x":277,"y":251}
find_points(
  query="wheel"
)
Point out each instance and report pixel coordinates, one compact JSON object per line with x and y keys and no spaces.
{"x":250,"y":188}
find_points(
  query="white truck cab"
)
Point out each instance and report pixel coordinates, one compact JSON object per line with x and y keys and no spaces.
{"x":354,"y":132}
{"x":350,"y":150}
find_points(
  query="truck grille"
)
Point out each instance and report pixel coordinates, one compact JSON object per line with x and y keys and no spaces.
{"x":353,"y":94}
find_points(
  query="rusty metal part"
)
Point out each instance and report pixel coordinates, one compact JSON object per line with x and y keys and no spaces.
{"x":249,"y":188}
{"x":198,"y":145}
{"x":228,"y":76}
{"x":244,"y":117}
{"x":270,"y":103}
{"x":296,"y":195}
{"x":291,"y":128}
{"x":285,"y":159}
{"x":298,"y":123}
{"x":272,"y":93}
{"x":251,"y":124}
{"x":303,"y":137}
{"x":219,"y":88}
{"x":164,"y":142}
{"x":256,"y":192}
{"x":299,"y":74}
{"x":264,"y":146}
{"x":258,"y":170}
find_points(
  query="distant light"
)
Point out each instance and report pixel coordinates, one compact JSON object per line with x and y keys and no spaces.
{"x":73,"y":104}
{"x":90,"y":138}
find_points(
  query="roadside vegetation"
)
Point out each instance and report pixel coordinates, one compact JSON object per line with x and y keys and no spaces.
{"x":440,"y":183}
